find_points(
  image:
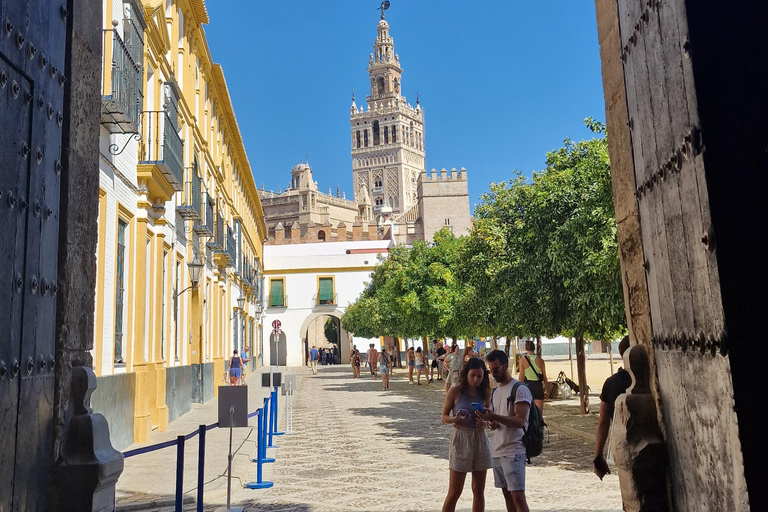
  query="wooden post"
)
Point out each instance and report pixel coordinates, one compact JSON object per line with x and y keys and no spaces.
{"x":581,"y":364}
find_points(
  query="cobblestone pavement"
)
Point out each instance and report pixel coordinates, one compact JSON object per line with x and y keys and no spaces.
{"x":358,"y":448}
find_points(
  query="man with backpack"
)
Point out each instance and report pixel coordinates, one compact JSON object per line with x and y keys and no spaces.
{"x":508,"y":415}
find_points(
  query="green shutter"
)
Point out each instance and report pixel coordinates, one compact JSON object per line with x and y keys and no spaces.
{"x":325,"y":293}
{"x":276,"y":293}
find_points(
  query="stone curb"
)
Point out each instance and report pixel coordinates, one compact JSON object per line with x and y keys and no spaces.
{"x":146,"y":505}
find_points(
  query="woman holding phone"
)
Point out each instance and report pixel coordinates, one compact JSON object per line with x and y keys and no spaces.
{"x":468,"y":449}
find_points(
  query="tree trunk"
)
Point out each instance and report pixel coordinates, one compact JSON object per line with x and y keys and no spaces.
{"x":538,"y":345}
{"x":610,"y":355}
{"x":570,"y":355}
{"x":581,"y":363}
{"x":495,"y":343}
{"x":507,"y":346}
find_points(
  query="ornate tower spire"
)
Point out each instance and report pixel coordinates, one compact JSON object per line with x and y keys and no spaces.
{"x":388,"y":137}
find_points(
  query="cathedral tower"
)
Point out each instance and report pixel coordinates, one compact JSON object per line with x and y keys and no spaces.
{"x":388,"y":137}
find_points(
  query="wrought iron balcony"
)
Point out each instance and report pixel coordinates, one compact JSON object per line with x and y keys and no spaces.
{"x":216,"y":244}
{"x":204,"y":225}
{"x":162,"y":147}
{"x":122,"y":81}
{"x":192,"y":203}
{"x":230,"y":251}
{"x":326,"y":301}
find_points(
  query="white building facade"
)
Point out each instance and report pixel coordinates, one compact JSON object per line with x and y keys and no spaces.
{"x":310,"y":280}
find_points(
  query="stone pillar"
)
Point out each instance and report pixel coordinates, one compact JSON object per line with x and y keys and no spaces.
{"x":341,"y":233}
{"x":637,"y":443}
{"x":91,"y":466}
{"x":142,"y":421}
{"x":357,"y":231}
{"x":312,"y":232}
{"x":279,"y":234}
{"x":373,"y":231}
{"x":158,"y":407}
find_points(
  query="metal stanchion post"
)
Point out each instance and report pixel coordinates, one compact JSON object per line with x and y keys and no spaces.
{"x":289,"y":409}
{"x":179,"y":473}
{"x":274,"y":418}
{"x":201,"y":470}
{"x":265,"y":427}
{"x":259,"y":483}
{"x":229,"y":467}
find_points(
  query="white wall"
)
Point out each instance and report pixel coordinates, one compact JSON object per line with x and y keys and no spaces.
{"x":300,"y":266}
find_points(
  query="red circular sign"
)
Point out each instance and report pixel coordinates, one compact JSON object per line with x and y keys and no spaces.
{"x":276,"y":324}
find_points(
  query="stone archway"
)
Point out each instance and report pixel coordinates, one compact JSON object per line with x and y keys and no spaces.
{"x":344,"y":337}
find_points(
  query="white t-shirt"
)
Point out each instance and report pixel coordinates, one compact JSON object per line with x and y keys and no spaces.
{"x":506,"y":441}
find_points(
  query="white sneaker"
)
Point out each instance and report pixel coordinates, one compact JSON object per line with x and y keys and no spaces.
{"x":411,"y":382}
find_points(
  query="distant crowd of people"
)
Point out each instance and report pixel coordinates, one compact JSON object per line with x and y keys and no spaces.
{"x":471,"y":407}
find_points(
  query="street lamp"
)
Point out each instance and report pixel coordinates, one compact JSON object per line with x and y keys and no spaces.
{"x":195,"y":268}
{"x":241,"y":302}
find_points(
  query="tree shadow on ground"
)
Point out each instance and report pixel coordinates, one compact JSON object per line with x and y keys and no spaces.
{"x":415,"y":420}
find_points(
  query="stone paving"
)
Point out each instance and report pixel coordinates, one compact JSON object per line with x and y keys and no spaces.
{"x":358,"y":448}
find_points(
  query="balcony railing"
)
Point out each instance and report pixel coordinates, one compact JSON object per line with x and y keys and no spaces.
{"x":217,"y":242}
{"x":231,"y":248}
{"x":121,"y":107}
{"x":204,"y":225}
{"x":316,"y":301}
{"x":192,"y":203}
{"x":161,"y":145}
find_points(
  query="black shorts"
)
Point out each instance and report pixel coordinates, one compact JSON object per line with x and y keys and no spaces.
{"x":434,"y":363}
{"x":536,"y":387}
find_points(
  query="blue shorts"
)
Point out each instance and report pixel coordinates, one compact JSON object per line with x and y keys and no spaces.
{"x":234,"y":372}
{"x":419,"y":366}
{"x":509,"y":472}
{"x":384,"y":370}
{"x":410,"y":363}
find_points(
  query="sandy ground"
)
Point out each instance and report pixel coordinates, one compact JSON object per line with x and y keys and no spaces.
{"x":358,"y":448}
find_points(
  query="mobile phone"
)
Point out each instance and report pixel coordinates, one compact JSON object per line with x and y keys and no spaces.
{"x":478,"y":406}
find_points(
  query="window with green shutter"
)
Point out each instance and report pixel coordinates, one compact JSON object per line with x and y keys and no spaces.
{"x":325,"y":291}
{"x":276,"y":297}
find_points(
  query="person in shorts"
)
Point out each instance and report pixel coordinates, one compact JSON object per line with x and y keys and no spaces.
{"x":437,"y":352}
{"x":235,"y":365}
{"x":468,"y":451}
{"x":507,"y":417}
{"x":452,"y":362}
{"x":384,"y":367}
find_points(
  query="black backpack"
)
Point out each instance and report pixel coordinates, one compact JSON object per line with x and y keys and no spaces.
{"x":533,"y":436}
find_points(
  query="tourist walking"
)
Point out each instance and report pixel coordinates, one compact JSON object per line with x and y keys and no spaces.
{"x":235,"y":365}
{"x":313,"y":355}
{"x":508,"y":417}
{"x":246,"y":358}
{"x":373,"y":360}
{"x":452,"y":363}
{"x":385,"y":365}
{"x":355,"y":360}
{"x":410,"y":360}
{"x":614,"y":386}
{"x":533,"y":373}
{"x":468,"y":353}
{"x":421,"y":367}
{"x":437,"y":352}
{"x":468,"y":449}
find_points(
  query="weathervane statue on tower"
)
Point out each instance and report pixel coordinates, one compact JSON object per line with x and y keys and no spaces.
{"x":384,"y":6}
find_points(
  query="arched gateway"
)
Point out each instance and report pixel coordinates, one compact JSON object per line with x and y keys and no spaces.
{"x":309,"y":281}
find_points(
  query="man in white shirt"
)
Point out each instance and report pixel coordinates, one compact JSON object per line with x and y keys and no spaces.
{"x":507,"y":417}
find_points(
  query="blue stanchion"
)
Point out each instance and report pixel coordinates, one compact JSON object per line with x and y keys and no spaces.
{"x":274,"y":418}
{"x":201,"y":468}
{"x":179,"y":473}
{"x":260,"y":483}
{"x":263,"y":438}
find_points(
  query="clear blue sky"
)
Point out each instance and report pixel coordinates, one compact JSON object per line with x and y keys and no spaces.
{"x":502,"y":82}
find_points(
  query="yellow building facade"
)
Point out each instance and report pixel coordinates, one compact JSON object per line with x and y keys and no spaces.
{"x":180,"y":222}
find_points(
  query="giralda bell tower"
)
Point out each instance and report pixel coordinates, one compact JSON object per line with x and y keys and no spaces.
{"x":388,"y":137}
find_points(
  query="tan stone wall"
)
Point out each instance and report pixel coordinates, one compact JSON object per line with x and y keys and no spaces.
{"x":441,"y":197}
